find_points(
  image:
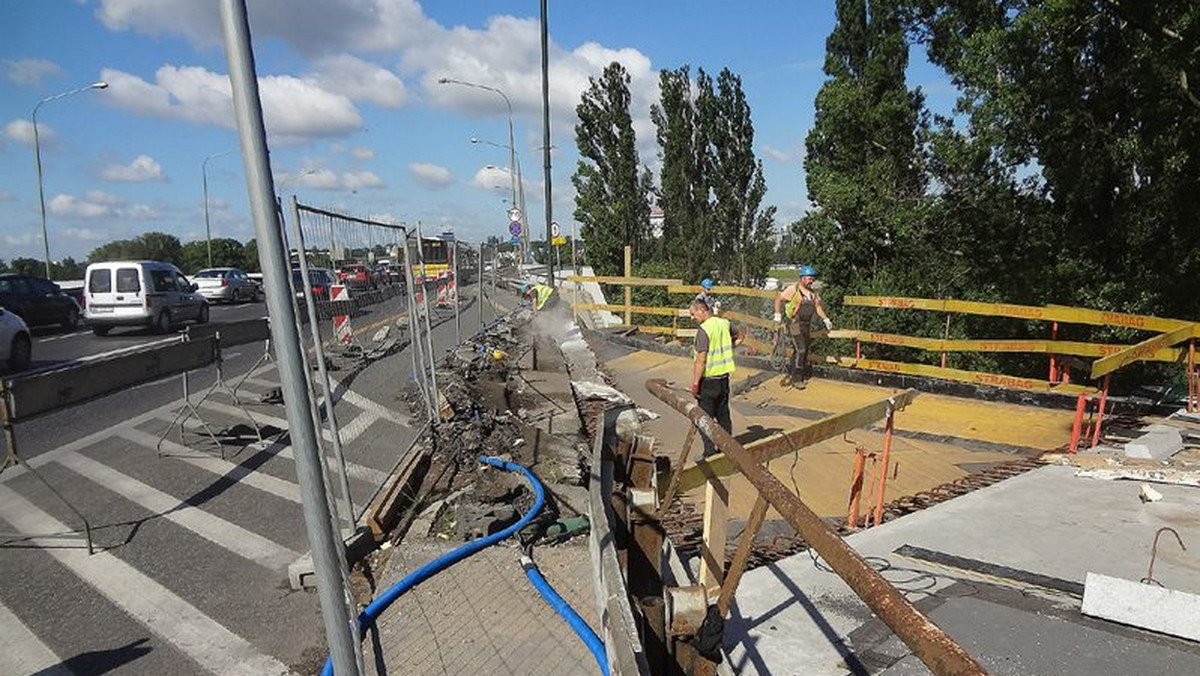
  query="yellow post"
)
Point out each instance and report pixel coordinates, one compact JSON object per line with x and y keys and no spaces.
{"x":628,"y":291}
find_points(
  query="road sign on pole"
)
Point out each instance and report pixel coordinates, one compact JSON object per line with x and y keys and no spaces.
{"x":554,"y":231}
{"x":515,"y":228}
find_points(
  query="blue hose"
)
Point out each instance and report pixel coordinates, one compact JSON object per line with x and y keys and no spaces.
{"x":568,"y":613}
{"x":369,"y":614}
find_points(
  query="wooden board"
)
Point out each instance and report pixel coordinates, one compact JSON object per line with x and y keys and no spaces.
{"x":625,"y":281}
{"x":1142,"y":350}
{"x":1057,"y":347}
{"x":726,"y":290}
{"x":960,"y":375}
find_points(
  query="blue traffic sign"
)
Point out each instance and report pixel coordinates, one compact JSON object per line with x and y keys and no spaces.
{"x":515,"y":240}
{"x":514,"y":228}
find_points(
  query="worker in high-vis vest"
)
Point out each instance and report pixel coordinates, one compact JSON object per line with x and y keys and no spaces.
{"x":713,"y":365}
{"x":541,"y":296}
{"x":800,"y":302}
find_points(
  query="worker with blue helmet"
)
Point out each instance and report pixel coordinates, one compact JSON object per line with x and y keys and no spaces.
{"x":795,"y":307}
{"x":706,"y":285}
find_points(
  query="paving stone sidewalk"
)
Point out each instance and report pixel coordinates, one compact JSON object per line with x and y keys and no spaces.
{"x":482,"y":616}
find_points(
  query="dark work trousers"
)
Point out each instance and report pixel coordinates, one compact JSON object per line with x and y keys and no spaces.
{"x":800,"y":369}
{"x":714,"y":400}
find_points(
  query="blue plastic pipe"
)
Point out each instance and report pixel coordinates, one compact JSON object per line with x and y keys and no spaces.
{"x":369,"y":614}
{"x":568,"y":613}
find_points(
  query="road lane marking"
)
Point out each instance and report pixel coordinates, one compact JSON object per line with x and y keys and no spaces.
{"x":223,"y":468}
{"x":168,"y":616}
{"x":227,"y":535}
{"x":24,"y":652}
{"x":353,"y":398}
{"x":63,"y":335}
{"x":107,"y":433}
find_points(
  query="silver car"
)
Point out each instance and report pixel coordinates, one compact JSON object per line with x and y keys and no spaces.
{"x":140,"y":293}
{"x":226,"y":285}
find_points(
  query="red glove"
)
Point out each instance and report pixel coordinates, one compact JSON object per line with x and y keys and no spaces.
{"x":695,"y":388}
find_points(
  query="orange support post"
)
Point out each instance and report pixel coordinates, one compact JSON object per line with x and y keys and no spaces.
{"x":856,"y":484}
{"x":1053,"y":359}
{"x":883,"y":467}
{"x":857,"y":349}
{"x":1077,"y":427}
{"x":1100,"y":413}
{"x":1193,"y":379}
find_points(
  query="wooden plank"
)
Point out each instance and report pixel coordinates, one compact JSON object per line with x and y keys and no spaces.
{"x":749,"y":319}
{"x":1060,"y":347}
{"x":960,"y":375}
{"x":726,"y":290}
{"x":631,"y":281}
{"x":716,"y":526}
{"x":628,"y":289}
{"x":1056,"y":313}
{"x":745,"y":544}
{"x":668,"y":331}
{"x":1142,"y":350}
{"x":778,"y":445}
{"x":635,"y":309}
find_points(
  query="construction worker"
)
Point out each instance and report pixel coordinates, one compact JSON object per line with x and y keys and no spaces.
{"x":706,"y":286}
{"x":797,"y":305}
{"x":542,"y":297}
{"x":713,"y":365}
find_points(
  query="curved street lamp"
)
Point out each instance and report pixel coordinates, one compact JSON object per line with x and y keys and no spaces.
{"x":519,"y":198}
{"x":204,"y":175}
{"x":37,"y":157}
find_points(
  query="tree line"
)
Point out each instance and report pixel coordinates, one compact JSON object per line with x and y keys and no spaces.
{"x":149,"y":246}
{"x":1066,"y":172}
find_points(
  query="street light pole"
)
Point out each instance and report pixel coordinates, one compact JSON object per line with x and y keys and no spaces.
{"x":512,"y":150}
{"x":37,"y":158}
{"x":546,"y":147}
{"x":204,"y":176}
{"x":520,"y":196}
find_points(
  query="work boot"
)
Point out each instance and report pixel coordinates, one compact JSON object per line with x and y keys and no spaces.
{"x":800,"y":384}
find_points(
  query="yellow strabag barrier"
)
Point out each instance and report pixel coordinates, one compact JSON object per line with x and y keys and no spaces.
{"x":1049,"y":313}
{"x":961,"y":375}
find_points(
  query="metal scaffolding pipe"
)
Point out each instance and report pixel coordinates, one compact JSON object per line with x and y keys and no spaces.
{"x":928,"y":642}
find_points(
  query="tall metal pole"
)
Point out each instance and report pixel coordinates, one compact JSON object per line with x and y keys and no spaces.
{"x":204,"y":176}
{"x":326,"y":390}
{"x":454,"y":280}
{"x":328,"y":550}
{"x":479,"y":294}
{"x":546,"y":147}
{"x":428,"y":329}
{"x":414,"y":330}
{"x":37,"y":158}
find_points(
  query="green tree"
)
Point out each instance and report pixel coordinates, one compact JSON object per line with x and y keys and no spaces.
{"x":28,"y":266}
{"x":151,"y":246}
{"x":226,"y":253}
{"x":864,"y":165}
{"x":250,"y":256}
{"x":612,"y":190}
{"x":67,"y":268}
{"x":1093,"y":103}
{"x":743,"y":232}
{"x":687,"y":241}
{"x":116,"y":250}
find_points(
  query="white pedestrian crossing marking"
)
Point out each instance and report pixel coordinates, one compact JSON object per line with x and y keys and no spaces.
{"x":24,"y":652}
{"x":168,"y":616}
{"x":232,"y":537}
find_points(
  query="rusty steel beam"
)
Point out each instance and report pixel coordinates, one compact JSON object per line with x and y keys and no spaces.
{"x":928,"y":642}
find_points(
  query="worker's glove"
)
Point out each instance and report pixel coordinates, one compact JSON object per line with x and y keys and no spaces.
{"x":828,"y":324}
{"x":695,"y":388}
{"x":778,"y":318}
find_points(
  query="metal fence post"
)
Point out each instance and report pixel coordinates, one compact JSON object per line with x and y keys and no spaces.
{"x":414,"y":324}
{"x":454,"y":279}
{"x":326,"y":390}
{"x":328,"y":550}
{"x":433,"y":393}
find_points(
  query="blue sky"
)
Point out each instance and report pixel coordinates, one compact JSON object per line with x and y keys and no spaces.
{"x":357,"y":120}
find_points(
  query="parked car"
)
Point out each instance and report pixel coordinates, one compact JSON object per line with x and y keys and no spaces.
{"x":38,"y":301}
{"x":16,"y":346}
{"x":140,"y":293}
{"x":356,"y":276}
{"x":320,"y":279}
{"x":229,"y":285}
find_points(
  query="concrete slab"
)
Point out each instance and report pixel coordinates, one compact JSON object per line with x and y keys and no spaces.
{"x":1167,"y":611}
{"x":1158,"y":443}
{"x":795,"y":616}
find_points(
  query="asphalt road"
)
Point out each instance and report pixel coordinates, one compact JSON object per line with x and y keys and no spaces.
{"x":190,"y":575}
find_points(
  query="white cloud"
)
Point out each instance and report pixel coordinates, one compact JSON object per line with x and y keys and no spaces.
{"x":355,"y":180}
{"x":29,"y":72}
{"x":775,"y":153}
{"x":490,"y":176}
{"x":97,"y":204}
{"x":362,"y":153}
{"x":21,"y":131}
{"x":142,"y":169}
{"x":292,"y":107}
{"x":6,"y":196}
{"x":85,"y":234}
{"x":22,"y":239}
{"x":431,"y":176}
{"x":360,"y":80}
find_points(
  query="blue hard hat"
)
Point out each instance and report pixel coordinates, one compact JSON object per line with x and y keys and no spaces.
{"x":808,"y":271}
{"x":707,"y":284}
{"x":524,"y":289}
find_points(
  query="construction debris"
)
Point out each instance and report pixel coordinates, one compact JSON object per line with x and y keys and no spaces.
{"x":1148,"y":606}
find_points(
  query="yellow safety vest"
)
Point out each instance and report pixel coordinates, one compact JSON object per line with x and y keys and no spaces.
{"x":720,"y":347}
{"x":543,"y":294}
{"x":793,"y":304}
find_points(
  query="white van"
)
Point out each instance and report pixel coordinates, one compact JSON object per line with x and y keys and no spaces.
{"x":140,"y":293}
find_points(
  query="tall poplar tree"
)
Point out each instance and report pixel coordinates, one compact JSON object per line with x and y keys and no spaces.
{"x":612,"y":189}
{"x":863,"y":164}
